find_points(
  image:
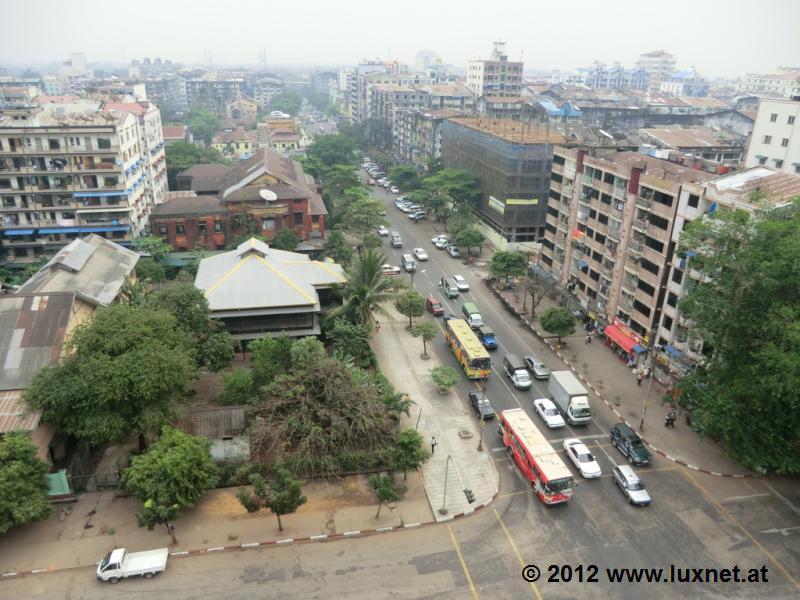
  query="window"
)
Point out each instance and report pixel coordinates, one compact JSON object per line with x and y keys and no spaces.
{"x":761,"y":159}
{"x":694,"y":200}
{"x":667,"y":324}
{"x":217,"y":225}
{"x":773,"y":117}
{"x":767,"y":139}
{"x":162,"y":229}
{"x":646,"y":287}
{"x":790,"y":120}
{"x":641,"y":308}
{"x":180,"y":230}
{"x":677,"y":275}
{"x":659,"y":222}
{"x":103,"y":143}
{"x":54,"y":144}
{"x":298,"y":218}
{"x":648,"y":266}
{"x":202,"y":227}
{"x":672,"y":300}
{"x":315,"y":219}
{"x":778,"y":163}
{"x":784,"y":142}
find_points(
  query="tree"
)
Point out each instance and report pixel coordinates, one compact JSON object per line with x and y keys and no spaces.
{"x":410,"y":304}
{"x":362,"y":216}
{"x":427,"y":331}
{"x":135,"y":292}
{"x":237,"y":387}
{"x":366,"y":289}
{"x":182,"y":155}
{"x":559,"y":321}
{"x":745,"y":309}
{"x":217,"y":350}
{"x":203,"y":124}
{"x":122,"y":373}
{"x":285,"y":239}
{"x":332,"y":150}
{"x":536,"y":287}
{"x":444,"y":377}
{"x":149,"y":270}
{"x":173,"y":474}
{"x":337,"y":248}
{"x":269,"y":357}
{"x":469,"y":237}
{"x":153,"y":246}
{"x":409,"y":452}
{"x":405,"y":177}
{"x":312,"y":166}
{"x":383,"y":486}
{"x":23,"y":487}
{"x":460,"y":185}
{"x":433,"y":166}
{"x":337,"y":178}
{"x":508,"y":264}
{"x":287,"y":102}
{"x":350,"y":340}
{"x":283,"y":495}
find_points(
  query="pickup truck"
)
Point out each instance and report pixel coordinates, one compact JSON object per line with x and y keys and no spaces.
{"x":119,"y":564}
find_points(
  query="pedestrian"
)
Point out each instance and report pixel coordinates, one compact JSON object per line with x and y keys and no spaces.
{"x":589,"y":338}
{"x":434,"y":443}
{"x":639,"y":379}
{"x":377,"y":326}
{"x":441,"y":282}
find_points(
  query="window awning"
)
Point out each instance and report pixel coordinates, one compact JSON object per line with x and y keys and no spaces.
{"x":577,"y":234}
{"x":582,"y":264}
{"x":18,"y":232}
{"x":673,"y":351}
{"x":103,"y":228}
{"x":60,"y":230}
{"x":96,"y":194}
{"x":627,"y":343}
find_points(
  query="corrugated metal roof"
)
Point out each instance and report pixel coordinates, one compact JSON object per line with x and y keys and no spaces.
{"x":33,"y":327}
{"x":214,"y":423}
{"x":14,"y":414}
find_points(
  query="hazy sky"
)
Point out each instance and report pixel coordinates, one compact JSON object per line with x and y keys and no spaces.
{"x":719,"y":37}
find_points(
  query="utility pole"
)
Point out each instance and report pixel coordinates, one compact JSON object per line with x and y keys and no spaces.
{"x":467,"y":492}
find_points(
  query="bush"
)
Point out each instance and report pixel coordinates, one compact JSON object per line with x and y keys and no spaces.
{"x":237,"y":388}
{"x":444,"y":377}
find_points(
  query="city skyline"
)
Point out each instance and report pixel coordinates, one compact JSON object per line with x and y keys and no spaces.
{"x":184,"y":33}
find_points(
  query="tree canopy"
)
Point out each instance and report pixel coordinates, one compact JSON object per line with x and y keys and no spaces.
{"x":152,"y":245}
{"x":182,"y":155}
{"x":173,"y":474}
{"x":282,"y":495}
{"x":332,"y":150}
{"x":123,"y":373}
{"x":337,"y":248}
{"x":410,"y":304}
{"x":285,"y":239}
{"x":23,"y":487}
{"x":746,"y":309}
{"x":366,"y":289}
{"x":203,"y":124}
{"x":559,"y":321}
{"x":460,"y":185}
{"x":405,"y":177}
{"x":427,"y":330}
{"x":469,"y":238}
{"x":287,"y":102}
{"x":508,"y":264}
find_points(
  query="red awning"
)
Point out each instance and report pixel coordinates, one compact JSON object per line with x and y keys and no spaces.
{"x":577,"y":233}
{"x":616,"y":335}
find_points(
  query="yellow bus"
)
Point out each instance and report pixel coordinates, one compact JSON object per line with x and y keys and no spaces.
{"x":467,"y":349}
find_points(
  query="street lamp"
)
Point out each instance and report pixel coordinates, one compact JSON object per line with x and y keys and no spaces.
{"x":467,"y":492}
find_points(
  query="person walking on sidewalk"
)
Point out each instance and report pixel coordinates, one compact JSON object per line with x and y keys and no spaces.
{"x":639,"y":379}
{"x":377,"y":326}
{"x":589,"y":338}
{"x":434,"y":443}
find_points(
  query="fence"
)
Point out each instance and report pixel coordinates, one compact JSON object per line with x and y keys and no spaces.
{"x":94,"y":482}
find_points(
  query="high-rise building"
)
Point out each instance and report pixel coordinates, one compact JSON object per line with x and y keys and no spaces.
{"x":659,"y":65}
{"x":497,"y":76}
{"x":425,"y":59}
{"x":66,"y":174}
{"x":775,"y":141}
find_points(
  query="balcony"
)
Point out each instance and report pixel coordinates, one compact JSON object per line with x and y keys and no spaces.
{"x":652,"y":255}
{"x":551,"y":220}
{"x":639,"y":225}
{"x":629,"y":285}
{"x":653,"y":279}
{"x":618,"y":193}
{"x":613,"y":232}
{"x":634,"y":249}
{"x":558,"y":168}
{"x":616,"y":214}
{"x":662,"y":235}
{"x":643,"y":203}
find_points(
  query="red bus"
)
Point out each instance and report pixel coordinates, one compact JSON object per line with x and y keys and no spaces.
{"x":549,"y":477}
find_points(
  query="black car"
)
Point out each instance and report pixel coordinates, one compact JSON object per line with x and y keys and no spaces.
{"x":627,"y":441}
{"x":481,"y":405}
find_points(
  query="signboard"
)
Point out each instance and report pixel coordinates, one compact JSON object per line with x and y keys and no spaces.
{"x":522,"y":202}
{"x":497,"y":205}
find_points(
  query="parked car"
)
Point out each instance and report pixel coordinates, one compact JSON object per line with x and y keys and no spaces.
{"x":420,"y":254}
{"x":537,"y":367}
{"x":441,"y":243}
{"x":394,"y":189}
{"x":453,"y":251}
{"x":419,"y":215}
{"x":436,"y":238}
{"x":581,"y":457}
{"x":390,"y":270}
{"x":370,"y":182}
{"x":630,"y":484}
{"x":461,"y":283}
{"x":627,"y":441}
{"x":434,"y":306}
{"x":383,"y":231}
{"x":549,"y":413}
{"x":481,"y":404}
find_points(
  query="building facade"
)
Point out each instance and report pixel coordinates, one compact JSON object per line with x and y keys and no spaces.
{"x":775,"y":141}
{"x":417,"y":134}
{"x":659,"y":66}
{"x":497,"y":76}
{"x":68,"y":174}
{"x":785,"y":83}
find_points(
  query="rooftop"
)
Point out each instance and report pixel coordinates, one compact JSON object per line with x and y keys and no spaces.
{"x":188,"y":203}
{"x":706,"y":102}
{"x":64,"y":119}
{"x":174,"y":132}
{"x":684,"y":137}
{"x":776,"y":187}
{"x":92,"y":267}
{"x":207,"y":177}
{"x":512,"y":131}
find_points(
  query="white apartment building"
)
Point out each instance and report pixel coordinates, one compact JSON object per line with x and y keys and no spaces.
{"x":497,"y":76}
{"x":67,"y":174}
{"x":659,"y":65}
{"x":785,"y":83}
{"x":775,"y":141}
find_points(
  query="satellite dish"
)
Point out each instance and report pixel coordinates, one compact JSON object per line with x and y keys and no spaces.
{"x":268,"y":195}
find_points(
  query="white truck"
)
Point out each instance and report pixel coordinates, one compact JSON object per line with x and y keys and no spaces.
{"x":119,"y":564}
{"x":570,"y":396}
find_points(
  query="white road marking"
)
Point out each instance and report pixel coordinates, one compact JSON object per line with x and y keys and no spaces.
{"x":737,"y":498}
{"x":784,"y":500}
{"x":784,"y":531}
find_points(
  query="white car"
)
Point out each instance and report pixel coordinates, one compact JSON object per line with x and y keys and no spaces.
{"x":393,"y":189}
{"x":383,"y":231}
{"x":441,"y":243}
{"x":461,"y":283}
{"x":581,"y":457}
{"x":390,"y":270}
{"x":549,"y":413}
{"x":438,"y":237}
{"x":420,"y":254}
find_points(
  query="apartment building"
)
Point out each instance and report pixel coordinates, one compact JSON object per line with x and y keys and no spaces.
{"x":63,"y":175}
{"x":214,"y":92}
{"x":387,"y":99}
{"x":775,"y":141}
{"x":265,"y":89}
{"x":659,"y":66}
{"x":417,"y":133}
{"x":698,"y":142}
{"x":497,"y":76}
{"x":785,"y":83}
{"x":512,"y":161}
{"x":609,"y":234}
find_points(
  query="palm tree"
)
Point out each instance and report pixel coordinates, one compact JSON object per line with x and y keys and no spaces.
{"x":367,"y":289}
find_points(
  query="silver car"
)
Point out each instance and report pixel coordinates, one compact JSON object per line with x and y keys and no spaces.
{"x":536,"y":367}
{"x":630,"y":484}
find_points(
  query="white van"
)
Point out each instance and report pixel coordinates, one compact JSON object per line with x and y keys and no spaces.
{"x":517,"y":372}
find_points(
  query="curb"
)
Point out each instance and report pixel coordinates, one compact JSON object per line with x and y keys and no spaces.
{"x":510,"y":307}
{"x":324,"y":537}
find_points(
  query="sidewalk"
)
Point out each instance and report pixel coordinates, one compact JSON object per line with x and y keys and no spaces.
{"x":101,"y":521}
{"x":442,"y":416}
{"x":615,"y":384}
